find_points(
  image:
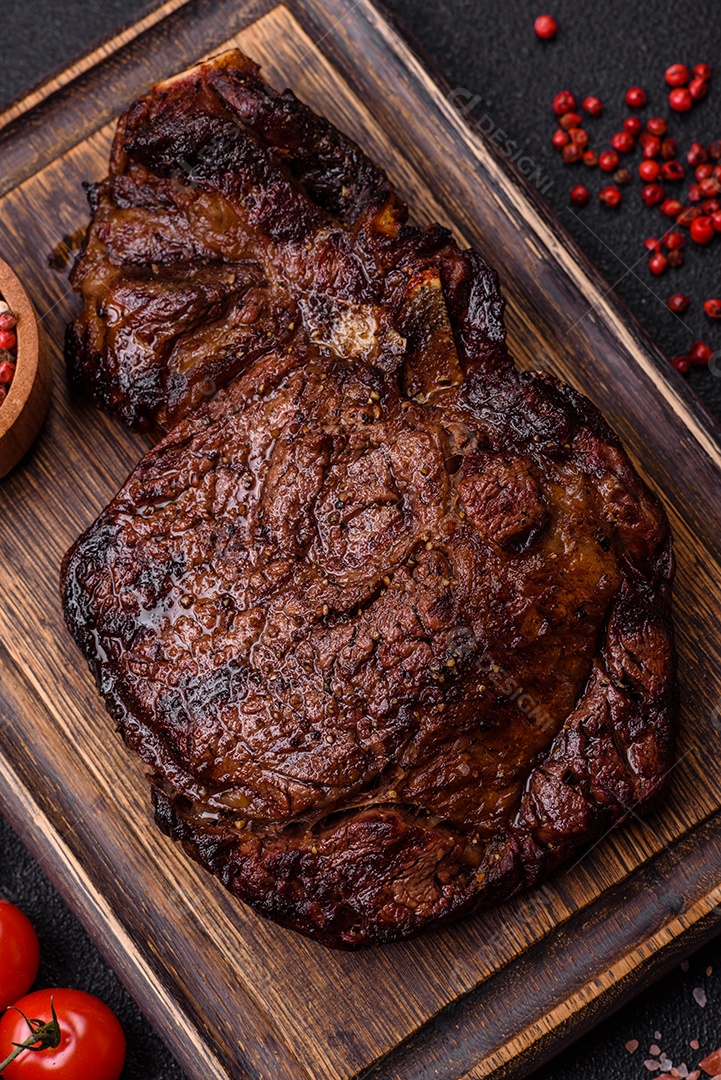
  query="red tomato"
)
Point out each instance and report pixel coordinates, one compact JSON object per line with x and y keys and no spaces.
{"x":19,"y":954}
{"x":92,"y":1044}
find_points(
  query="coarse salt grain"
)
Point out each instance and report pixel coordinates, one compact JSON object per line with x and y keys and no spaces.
{"x":694,"y":1044}
{"x":651,"y":1065}
{"x":699,"y":996}
{"x":632,"y":1046}
{"x":666,"y":1063}
{"x":712,"y":1063}
{"x":655,"y":1050}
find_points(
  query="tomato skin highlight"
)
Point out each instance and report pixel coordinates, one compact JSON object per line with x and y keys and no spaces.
{"x":92,"y":1043}
{"x":19,"y":954}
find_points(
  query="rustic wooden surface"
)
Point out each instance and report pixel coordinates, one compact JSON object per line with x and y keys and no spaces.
{"x":26,"y":404}
{"x":232,"y":995}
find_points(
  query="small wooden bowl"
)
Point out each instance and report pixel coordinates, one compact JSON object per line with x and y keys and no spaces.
{"x":26,"y":405}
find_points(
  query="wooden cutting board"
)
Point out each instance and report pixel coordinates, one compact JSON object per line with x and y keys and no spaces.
{"x":234,"y":996}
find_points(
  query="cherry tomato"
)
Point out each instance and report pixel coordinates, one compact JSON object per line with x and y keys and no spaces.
{"x":19,"y":954}
{"x":92,"y":1044}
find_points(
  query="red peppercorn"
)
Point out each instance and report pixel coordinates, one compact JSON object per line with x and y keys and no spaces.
{"x":702,"y":71}
{"x":623,"y":141}
{"x":7,"y":341}
{"x":657,"y":125}
{"x":7,"y":321}
{"x":657,"y":264}
{"x":674,"y":241}
{"x":675,"y":258}
{"x":702,"y":230}
{"x":696,"y":154}
{"x":669,"y":149}
{"x":700,"y":353}
{"x":702,"y":171}
{"x":710,"y":206}
{"x":622,"y":176}
{"x":590,"y":158}
{"x":7,"y":371}
{"x":651,"y":145}
{"x":710,"y":186}
{"x":633,"y":125}
{"x":580,"y":195}
{"x":570,"y":120}
{"x":636,"y":97}
{"x":564,"y":102}
{"x":652,"y":194}
{"x":677,"y":75}
{"x":671,"y":207}
{"x":694,"y":193}
{"x":649,"y":170}
{"x":714,"y":150}
{"x":687,"y":215}
{"x":678,"y":302}
{"x":652,"y":244}
{"x":680,"y":99}
{"x":579,"y":137}
{"x":560,"y":139}
{"x":608,"y":160}
{"x":672,"y":170}
{"x":593,"y":106}
{"x":712,"y":308}
{"x":716,"y":220}
{"x":610,"y":196}
{"x":698,"y":89}
{"x":546,"y":27}
{"x":571,"y":154}
{"x":682,"y":364}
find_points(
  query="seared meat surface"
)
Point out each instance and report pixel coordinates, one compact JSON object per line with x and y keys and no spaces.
{"x":388,"y":621}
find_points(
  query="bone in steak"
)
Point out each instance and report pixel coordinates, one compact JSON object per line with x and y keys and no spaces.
{"x":388,"y":621}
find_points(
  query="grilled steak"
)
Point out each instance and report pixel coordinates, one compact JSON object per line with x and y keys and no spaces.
{"x":387,"y":620}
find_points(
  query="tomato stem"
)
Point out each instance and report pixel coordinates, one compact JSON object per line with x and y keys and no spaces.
{"x":44,"y":1035}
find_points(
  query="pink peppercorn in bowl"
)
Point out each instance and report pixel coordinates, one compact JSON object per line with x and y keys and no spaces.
{"x":25,"y":404}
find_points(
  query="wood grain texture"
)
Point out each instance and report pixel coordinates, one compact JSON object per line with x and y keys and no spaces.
{"x":232,"y":995}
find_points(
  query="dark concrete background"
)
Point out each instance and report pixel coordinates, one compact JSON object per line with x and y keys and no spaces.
{"x":490,"y":51}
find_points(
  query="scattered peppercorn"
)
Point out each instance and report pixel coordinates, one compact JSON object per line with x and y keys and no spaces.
{"x":648,"y":170}
{"x":712,"y":308}
{"x":571,"y":153}
{"x":608,"y":160}
{"x":702,"y":71}
{"x":652,"y":244}
{"x":610,"y":196}
{"x":633,"y":125}
{"x":680,"y":99}
{"x":657,"y":264}
{"x":622,"y":176}
{"x":590,"y":158}
{"x":696,"y":155}
{"x":652,"y":194}
{"x":702,"y":230}
{"x":678,"y":303}
{"x":580,"y":195}
{"x":674,"y":241}
{"x":579,"y":137}
{"x":669,"y":149}
{"x":560,"y":139}
{"x":698,"y":89}
{"x":671,"y":207}
{"x":570,"y":120}
{"x":546,"y":27}
{"x":564,"y":102}
{"x":672,"y":170}
{"x":682,"y":364}
{"x":623,"y":141}
{"x":700,"y":353}
{"x":593,"y":106}
{"x":651,"y":145}
{"x":636,"y":97}
{"x":675,"y":258}
{"x":677,"y":75}
{"x":657,"y":125}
